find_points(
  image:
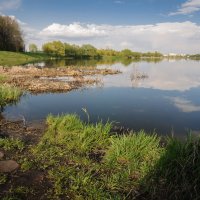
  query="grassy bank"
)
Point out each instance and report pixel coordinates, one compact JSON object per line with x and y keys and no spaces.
{"x":12,"y":58}
{"x":77,"y":160}
{"x":8,"y":94}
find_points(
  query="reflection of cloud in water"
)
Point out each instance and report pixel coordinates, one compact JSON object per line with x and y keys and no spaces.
{"x":179,"y":75}
{"x":184,"y":105}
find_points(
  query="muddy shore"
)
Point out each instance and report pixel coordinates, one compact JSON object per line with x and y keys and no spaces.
{"x":62,"y":79}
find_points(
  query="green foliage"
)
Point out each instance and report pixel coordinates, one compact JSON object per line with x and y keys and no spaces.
{"x":76,"y":136}
{"x":17,"y":193}
{"x":69,"y":149}
{"x":12,"y":58}
{"x":195,"y":57}
{"x":129,"y":159}
{"x":56,"y":48}
{"x":152,"y":54}
{"x":88,"y":50}
{"x":108,"y":52}
{"x":126,"y":53}
{"x":11,"y":144}
{"x":9,"y":94}
{"x":85,"y":161}
{"x":177,"y":173}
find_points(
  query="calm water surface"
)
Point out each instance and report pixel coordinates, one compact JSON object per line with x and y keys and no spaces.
{"x":163,"y":97}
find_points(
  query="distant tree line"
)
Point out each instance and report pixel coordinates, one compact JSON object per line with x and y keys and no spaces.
{"x":195,"y":56}
{"x":11,"y":38}
{"x":58,"y":48}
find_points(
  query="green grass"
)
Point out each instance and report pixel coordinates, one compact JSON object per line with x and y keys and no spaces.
{"x":129,"y":159}
{"x":177,"y":173}
{"x":11,"y":144}
{"x":88,"y":161}
{"x":13,"y":58}
{"x":9,"y":94}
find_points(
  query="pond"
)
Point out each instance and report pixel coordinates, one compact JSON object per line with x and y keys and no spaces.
{"x":155,"y":96}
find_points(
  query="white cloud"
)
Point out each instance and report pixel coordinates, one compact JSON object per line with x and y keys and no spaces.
{"x":190,"y":6}
{"x":183,"y":37}
{"x":9,"y":4}
{"x":184,"y":105}
{"x":75,"y":30}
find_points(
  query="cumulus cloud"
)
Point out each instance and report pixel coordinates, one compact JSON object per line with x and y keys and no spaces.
{"x":178,"y":37}
{"x":184,"y":105}
{"x":9,"y":4}
{"x":75,"y":30}
{"x":189,"y":7}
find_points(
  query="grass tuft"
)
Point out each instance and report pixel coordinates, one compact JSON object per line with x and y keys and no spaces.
{"x":11,"y":144}
{"x":177,"y":173}
{"x":9,"y":94}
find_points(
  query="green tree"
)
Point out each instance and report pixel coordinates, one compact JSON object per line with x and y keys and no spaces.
{"x":152,"y":54}
{"x":127,"y":53}
{"x":11,"y":38}
{"x":89,"y":50}
{"x":56,"y":47}
{"x":33,"y":48}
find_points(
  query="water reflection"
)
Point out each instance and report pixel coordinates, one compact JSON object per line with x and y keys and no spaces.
{"x":184,"y":105}
{"x":179,"y":75}
{"x":161,"y":96}
{"x":92,"y":62}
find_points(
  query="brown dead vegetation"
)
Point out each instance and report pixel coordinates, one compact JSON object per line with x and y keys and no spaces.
{"x":37,"y":80}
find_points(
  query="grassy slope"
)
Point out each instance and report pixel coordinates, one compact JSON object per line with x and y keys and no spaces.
{"x":12,"y":58}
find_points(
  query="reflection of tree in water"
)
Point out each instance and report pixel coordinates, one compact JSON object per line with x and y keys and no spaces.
{"x":137,"y":76}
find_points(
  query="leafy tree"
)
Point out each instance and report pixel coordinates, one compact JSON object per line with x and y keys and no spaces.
{"x":33,"y":48}
{"x":107,"y":52}
{"x":127,"y":53}
{"x":56,"y":47}
{"x":152,"y":54}
{"x":10,"y":35}
{"x":88,"y":50}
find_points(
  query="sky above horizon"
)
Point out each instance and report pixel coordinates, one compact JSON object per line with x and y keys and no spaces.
{"x":140,"y":25}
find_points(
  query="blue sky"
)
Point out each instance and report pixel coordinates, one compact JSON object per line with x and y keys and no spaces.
{"x":111,"y":23}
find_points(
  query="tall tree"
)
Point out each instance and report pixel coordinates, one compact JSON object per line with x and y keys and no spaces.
{"x":11,"y":38}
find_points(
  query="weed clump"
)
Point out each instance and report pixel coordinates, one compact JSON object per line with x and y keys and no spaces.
{"x":177,"y":173}
{"x":9,"y":94}
{"x":87,"y":161}
{"x":11,"y":144}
